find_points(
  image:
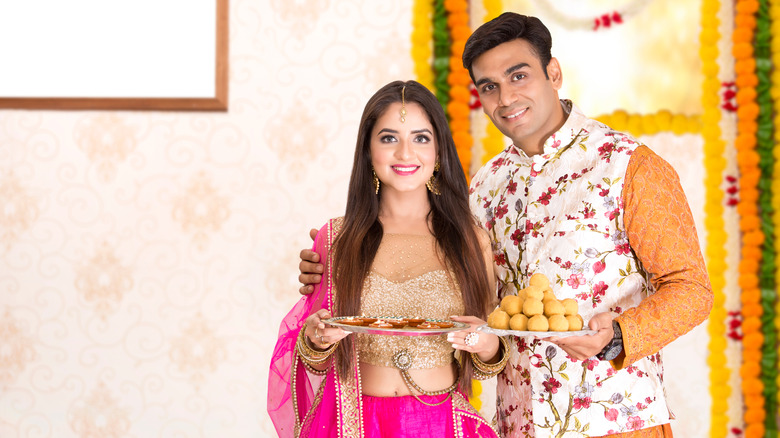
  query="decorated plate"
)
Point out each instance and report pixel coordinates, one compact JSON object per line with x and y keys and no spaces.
{"x":395,"y":325}
{"x":529,"y":334}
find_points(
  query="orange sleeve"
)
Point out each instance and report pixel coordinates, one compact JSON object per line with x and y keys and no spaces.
{"x":662,"y":234}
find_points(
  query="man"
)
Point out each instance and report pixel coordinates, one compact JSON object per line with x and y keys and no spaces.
{"x":606,"y":220}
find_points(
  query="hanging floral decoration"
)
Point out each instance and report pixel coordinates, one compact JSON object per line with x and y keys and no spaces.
{"x":750,"y":222}
{"x":774,"y":92}
{"x":441,"y":53}
{"x":728,"y":95}
{"x":714,"y":167}
{"x":600,"y":21}
{"x":493,"y":141}
{"x":459,"y":81}
{"x":651,"y":124}
{"x":422,"y":47}
{"x":768,"y":268}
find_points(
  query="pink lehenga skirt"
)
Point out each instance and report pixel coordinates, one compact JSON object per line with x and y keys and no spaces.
{"x":405,"y":417}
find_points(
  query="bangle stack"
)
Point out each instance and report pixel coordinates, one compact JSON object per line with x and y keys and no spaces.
{"x":484,"y":371}
{"x":310,"y":356}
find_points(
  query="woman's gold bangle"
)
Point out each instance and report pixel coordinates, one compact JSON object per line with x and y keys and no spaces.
{"x":487,"y":370}
{"x":310,"y":355}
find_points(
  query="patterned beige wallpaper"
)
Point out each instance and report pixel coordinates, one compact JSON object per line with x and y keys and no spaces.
{"x":146,"y":258}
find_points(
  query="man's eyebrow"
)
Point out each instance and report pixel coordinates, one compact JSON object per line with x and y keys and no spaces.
{"x":516,"y":67}
{"x":481,"y":81}
{"x":507,"y":72}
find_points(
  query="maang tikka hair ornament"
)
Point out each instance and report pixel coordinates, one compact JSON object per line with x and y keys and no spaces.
{"x":403,"y":105}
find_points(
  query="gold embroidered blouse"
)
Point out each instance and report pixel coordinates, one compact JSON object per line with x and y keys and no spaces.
{"x":408,"y":279}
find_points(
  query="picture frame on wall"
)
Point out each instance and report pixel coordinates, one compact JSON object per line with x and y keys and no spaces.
{"x":117,"y":55}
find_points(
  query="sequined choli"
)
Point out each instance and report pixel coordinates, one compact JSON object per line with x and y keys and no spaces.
{"x":409,"y":279}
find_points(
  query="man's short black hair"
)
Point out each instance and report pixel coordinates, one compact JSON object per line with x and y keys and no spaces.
{"x":506,"y":27}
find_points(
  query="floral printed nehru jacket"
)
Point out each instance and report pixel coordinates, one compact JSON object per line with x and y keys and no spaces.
{"x":561,"y":213}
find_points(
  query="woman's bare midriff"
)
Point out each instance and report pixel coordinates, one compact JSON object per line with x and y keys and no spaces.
{"x":378,"y":381}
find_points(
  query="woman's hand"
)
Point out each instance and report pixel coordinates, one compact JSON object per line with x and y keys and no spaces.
{"x":485,"y":345}
{"x":320,"y":335}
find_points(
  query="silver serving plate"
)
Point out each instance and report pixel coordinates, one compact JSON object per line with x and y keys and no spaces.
{"x":406,"y":331}
{"x":529,"y":334}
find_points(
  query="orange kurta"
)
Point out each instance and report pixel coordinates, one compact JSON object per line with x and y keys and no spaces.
{"x":663,"y":236}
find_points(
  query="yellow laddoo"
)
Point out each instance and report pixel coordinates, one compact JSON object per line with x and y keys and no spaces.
{"x":522,"y":294}
{"x":570,"y":306}
{"x":538,"y":323}
{"x":548,"y":295}
{"x":512,"y":304}
{"x":498,"y":319}
{"x":533,"y":306}
{"x":553,"y":307}
{"x":575,"y":322}
{"x":519,"y":322}
{"x":558,"y":323}
{"x":539,"y":279}
{"x":534,"y":292}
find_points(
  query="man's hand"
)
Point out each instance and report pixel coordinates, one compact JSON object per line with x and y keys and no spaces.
{"x":584,"y":347}
{"x":310,"y":268}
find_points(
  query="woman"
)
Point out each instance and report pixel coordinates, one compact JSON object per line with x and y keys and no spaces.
{"x":407,"y":246}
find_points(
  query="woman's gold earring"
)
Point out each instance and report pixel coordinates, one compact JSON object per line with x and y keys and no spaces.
{"x":376,"y":182}
{"x":433,"y":182}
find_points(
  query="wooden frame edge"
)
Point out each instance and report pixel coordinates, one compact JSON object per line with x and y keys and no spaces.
{"x":217,"y":103}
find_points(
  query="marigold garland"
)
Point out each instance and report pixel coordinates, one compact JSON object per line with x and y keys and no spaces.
{"x":766,"y":164}
{"x":422,"y":36}
{"x":714,"y":167}
{"x":459,"y":80}
{"x":749,"y":224}
{"x":774,"y":15}
{"x":441,"y":54}
{"x":651,"y":124}
{"x":493,"y":142}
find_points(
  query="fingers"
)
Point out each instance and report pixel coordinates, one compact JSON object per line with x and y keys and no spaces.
{"x":578,"y":347}
{"x":473,"y":321}
{"x":310,"y":272}
{"x":319,"y":333}
{"x":308,"y":255}
{"x":313,"y":233}
{"x":467,"y":319}
{"x":600,"y":321}
{"x":308,"y":281}
{"x":330,"y":335}
{"x":470,"y":341}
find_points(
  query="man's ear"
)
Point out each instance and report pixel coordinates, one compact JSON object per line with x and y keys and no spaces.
{"x":554,"y":73}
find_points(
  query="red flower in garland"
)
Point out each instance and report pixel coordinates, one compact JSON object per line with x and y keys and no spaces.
{"x":606,"y":20}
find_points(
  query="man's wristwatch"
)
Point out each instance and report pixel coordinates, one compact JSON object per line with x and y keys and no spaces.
{"x":615,"y":346}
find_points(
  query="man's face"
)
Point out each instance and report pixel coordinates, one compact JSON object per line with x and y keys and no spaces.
{"x":517,"y":96}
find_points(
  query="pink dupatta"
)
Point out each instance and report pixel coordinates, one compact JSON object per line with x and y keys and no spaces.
{"x":292,"y":391}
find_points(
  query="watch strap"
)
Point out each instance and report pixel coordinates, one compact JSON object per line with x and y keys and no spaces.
{"x":614,"y":346}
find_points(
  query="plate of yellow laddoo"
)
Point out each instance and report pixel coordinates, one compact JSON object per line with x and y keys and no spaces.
{"x":535,"y":311}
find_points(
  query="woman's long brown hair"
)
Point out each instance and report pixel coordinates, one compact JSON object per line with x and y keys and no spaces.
{"x":451,"y":221}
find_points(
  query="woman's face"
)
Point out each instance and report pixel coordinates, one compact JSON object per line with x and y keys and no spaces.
{"x":403,"y":153}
